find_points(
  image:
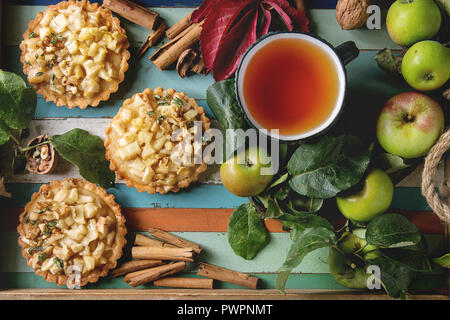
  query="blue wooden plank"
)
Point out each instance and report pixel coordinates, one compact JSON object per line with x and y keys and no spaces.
{"x":313,"y":4}
{"x":19,"y":280}
{"x":194,"y":197}
{"x":147,"y":77}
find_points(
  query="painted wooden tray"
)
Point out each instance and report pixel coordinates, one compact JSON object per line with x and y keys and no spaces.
{"x":199,"y":214}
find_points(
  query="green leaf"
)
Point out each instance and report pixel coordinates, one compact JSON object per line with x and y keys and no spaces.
{"x":247,"y":234}
{"x":415,"y":260}
{"x":396,"y":167}
{"x":305,"y":240}
{"x":430,"y":280}
{"x":392,"y":231}
{"x":395,"y":277}
{"x":273,"y":210}
{"x":5,"y":134}
{"x":18,"y":101}
{"x":301,"y":204}
{"x":19,"y":162}
{"x":329,"y":166}
{"x":221,"y":99}
{"x":280,"y":180}
{"x":87,"y":152}
{"x":347,"y":270}
{"x":388,"y":62}
{"x":298,"y":223}
{"x":443,"y":261}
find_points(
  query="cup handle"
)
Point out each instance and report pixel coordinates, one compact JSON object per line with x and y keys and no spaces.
{"x":347,"y":51}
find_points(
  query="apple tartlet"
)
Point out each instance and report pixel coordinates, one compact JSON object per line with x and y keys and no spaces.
{"x":72,"y":228}
{"x":75,"y":53}
{"x":151,"y":142}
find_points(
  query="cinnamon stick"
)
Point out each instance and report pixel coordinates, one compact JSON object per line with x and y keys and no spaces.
{"x":155,"y":273}
{"x":187,"y":283}
{"x":178,"y":27}
{"x":155,"y":253}
{"x":135,"y":265}
{"x":226,"y":275}
{"x":133,"y":12}
{"x":169,"y":53}
{"x":174,"y":240}
{"x":142,"y":240}
{"x":132,"y":275}
{"x":199,"y":67}
{"x":153,"y":38}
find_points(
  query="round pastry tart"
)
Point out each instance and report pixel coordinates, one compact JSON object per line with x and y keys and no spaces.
{"x":75,"y":53}
{"x":72,"y":228}
{"x":152,"y":144}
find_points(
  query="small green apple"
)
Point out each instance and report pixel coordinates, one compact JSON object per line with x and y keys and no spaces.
{"x":243,"y":174}
{"x":409,"y":21}
{"x":374,"y":199}
{"x":355,"y":241}
{"x":346,"y":271}
{"x":409,"y":124}
{"x":426,"y":65}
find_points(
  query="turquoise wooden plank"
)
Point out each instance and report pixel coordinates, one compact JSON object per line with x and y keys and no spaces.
{"x":192,"y":197}
{"x":405,"y":198}
{"x":296,"y":281}
{"x":192,"y":3}
{"x":216,"y":250}
{"x":323,"y":23}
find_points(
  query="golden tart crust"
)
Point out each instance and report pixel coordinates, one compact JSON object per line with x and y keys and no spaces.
{"x":140,"y":144}
{"x":73,"y":65}
{"x":54,"y":235}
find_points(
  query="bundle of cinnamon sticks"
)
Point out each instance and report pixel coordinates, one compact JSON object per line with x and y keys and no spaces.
{"x":157,"y":259}
{"x":183,"y":47}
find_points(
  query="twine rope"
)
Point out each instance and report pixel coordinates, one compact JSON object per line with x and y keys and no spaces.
{"x":428,"y":189}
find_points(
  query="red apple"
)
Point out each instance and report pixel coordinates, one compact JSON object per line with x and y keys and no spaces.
{"x":409,"y":124}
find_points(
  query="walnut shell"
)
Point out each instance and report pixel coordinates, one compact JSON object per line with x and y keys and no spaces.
{"x":42,"y":159}
{"x":186,"y":61}
{"x":352,"y":14}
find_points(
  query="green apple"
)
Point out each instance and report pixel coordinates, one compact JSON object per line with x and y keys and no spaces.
{"x":346,"y":269}
{"x":374,"y":199}
{"x":409,"y":124}
{"x":355,"y":241}
{"x":245,"y":174}
{"x":426,"y":65}
{"x":410,"y":21}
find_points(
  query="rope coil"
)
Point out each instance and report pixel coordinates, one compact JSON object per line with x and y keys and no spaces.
{"x":439,"y":205}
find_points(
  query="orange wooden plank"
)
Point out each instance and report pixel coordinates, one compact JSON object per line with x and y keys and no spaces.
{"x":185,"y":219}
{"x":214,"y":220}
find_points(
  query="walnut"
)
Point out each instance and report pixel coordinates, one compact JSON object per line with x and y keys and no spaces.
{"x":43,"y":158}
{"x":352,"y":14}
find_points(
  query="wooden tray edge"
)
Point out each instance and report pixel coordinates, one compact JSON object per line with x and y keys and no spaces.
{"x":192,"y":294}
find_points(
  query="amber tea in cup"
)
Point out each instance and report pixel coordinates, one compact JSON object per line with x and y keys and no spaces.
{"x":292,"y":82}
